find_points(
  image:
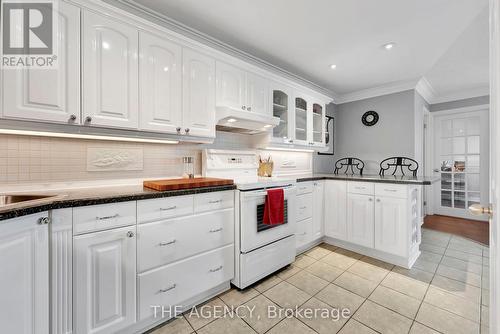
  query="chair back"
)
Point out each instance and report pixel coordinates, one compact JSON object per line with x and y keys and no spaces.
{"x":349,"y":166}
{"x":402,"y":163}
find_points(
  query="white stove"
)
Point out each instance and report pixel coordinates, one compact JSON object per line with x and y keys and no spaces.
{"x":260,"y":249}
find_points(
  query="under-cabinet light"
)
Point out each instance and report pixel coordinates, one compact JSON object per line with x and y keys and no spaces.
{"x":289,"y":149}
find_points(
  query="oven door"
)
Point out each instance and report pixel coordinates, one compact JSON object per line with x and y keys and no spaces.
{"x":254,"y":233}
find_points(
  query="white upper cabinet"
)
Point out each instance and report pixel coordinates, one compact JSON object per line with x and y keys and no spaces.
{"x":110,"y":72}
{"x":198,"y":94}
{"x":160,"y":84}
{"x":49,"y":95}
{"x":302,"y":120}
{"x":283,"y":108}
{"x":318,"y":124}
{"x":242,"y":90}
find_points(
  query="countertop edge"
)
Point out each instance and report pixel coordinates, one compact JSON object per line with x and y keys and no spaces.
{"x":349,"y":178}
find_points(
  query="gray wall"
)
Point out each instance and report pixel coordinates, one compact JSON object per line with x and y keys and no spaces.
{"x":393,"y":135}
{"x":475,"y":101}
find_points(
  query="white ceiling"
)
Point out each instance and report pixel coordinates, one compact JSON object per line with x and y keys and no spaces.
{"x":305,"y":37}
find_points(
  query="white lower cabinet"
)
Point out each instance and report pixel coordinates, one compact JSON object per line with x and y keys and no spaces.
{"x":304,"y":234}
{"x":105,"y":281}
{"x":24,"y":278}
{"x":310,"y":215}
{"x":360,"y":219}
{"x":391,"y":234}
{"x":336,"y":209}
{"x":318,"y":206}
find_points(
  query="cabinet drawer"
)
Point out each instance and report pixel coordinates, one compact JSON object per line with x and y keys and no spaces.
{"x":214,"y":201}
{"x":363,"y":188}
{"x":304,"y":233}
{"x":391,"y":190}
{"x":161,"y":208}
{"x":304,"y":188}
{"x":164,"y":242}
{"x":176,"y":283}
{"x":102,"y":217}
{"x":304,"y":206}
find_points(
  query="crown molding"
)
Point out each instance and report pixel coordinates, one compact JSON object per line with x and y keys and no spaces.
{"x":462,"y":95}
{"x":425,"y":89}
{"x":391,"y":88}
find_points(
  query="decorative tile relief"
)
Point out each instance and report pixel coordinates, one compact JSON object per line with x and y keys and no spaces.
{"x":114,"y":159}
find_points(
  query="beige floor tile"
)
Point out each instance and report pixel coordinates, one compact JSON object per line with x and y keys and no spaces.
{"x":462,"y":265}
{"x":485,"y":316}
{"x":418,"y":328}
{"x":288,"y":272}
{"x":340,"y":298}
{"x":427,"y":266}
{"x":452,"y":303}
{"x":368,"y":271}
{"x":290,"y":326}
{"x":471,"y":249}
{"x":377,"y":263}
{"x":444,"y":321}
{"x":324,"y":271}
{"x":457,"y":288}
{"x":381,"y":319}
{"x":322,"y":325}
{"x":356,"y":284}
{"x":257,"y":315}
{"x":433,"y":248}
{"x":329,"y":247}
{"x":235,"y":297}
{"x":396,"y":301}
{"x":227,"y":325}
{"x":303,"y":261}
{"x":318,"y":252}
{"x":406,"y":285}
{"x":414,"y":273}
{"x":355,"y":327}
{"x":307,"y":282}
{"x":267,"y":283}
{"x":459,"y":275}
{"x":430,"y":256}
{"x":286,"y":295}
{"x":485,"y":297}
{"x":338,"y":260}
{"x":176,"y":326}
{"x":464,"y":256}
{"x":205,"y":313}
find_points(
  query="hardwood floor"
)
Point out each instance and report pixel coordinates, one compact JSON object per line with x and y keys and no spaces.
{"x":471,"y":229}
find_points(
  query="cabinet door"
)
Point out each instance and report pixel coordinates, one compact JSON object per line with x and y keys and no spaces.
{"x":198,"y":94}
{"x":110,"y":72}
{"x":49,"y":95}
{"x":104,"y":284}
{"x":257,"y":94}
{"x":360,"y":219}
{"x":24,"y":281}
{"x":283,"y":108}
{"x":318,"y":210}
{"x":302,"y":121}
{"x":303,"y":236}
{"x":391,"y":223}
{"x":160,"y":84}
{"x":318,"y":124}
{"x":231,"y":86}
{"x":336,"y":209}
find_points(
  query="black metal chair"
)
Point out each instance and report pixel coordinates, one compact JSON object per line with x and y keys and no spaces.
{"x":398,"y":162}
{"x":347,"y":164}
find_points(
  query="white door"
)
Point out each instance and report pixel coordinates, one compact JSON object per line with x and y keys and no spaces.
{"x":49,"y":95}
{"x":160,"y":84}
{"x":461,"y":158}
{"x":24,"y":278}
{"x":104,"y":281}
{"x":231,"y":86}
{"x":110,"y":72}
{"x":360,"y":219}
{"x":257,"y":94}
{"x":198,"y":94}
{"x":318,"y":210}
{"x":390,"y":225}
{"x":336,"y":209}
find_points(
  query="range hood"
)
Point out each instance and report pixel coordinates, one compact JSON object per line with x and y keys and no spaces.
{"x":239,"y":121}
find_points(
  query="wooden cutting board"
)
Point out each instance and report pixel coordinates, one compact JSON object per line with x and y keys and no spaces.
{"x":177,"y":184}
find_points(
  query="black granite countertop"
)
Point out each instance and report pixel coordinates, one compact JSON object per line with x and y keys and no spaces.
{"x":418,"y":180}
{"x":93,"y":196}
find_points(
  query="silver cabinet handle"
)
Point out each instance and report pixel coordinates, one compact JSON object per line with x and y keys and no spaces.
{"x":166,"y":243}
{"x":43,"y":221}
{"x":178,"y":129}
{"x":167,"y":289}
{"x":187,"y":130}
{"x":243,"y":107}
{"x":108,"y":217}
{"x":249,"y":108}
{"x":216,"y":269}
{"x":215,"y":202}
{"x":216,"y":230}
{"x":303,"y":207}
{"x":88,"y":119}
{"x":169,"y":208}
{"x":72,"y":118}
{"x":291,"y":140}
{"x":378,"y":200}
{"x":360,"y":188}
{"x":130,"y":234}
{"x":370,"y":199}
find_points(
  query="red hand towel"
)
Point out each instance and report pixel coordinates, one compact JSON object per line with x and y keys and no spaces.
{"x":274,"y":207}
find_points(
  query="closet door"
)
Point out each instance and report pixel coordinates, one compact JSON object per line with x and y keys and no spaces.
{"x":160,"y":84}
{"x":110,"y":72}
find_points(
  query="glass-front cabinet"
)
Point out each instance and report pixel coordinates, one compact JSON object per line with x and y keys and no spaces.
{"x":318,"y":124}
{"x":301,"y":121}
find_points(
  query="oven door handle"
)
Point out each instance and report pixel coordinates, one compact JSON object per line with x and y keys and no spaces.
{"x":260,"y":193}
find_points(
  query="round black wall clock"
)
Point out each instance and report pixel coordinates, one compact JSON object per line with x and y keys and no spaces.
{"x":370,"y":118}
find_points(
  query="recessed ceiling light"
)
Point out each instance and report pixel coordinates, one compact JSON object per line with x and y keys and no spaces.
{"x":231,"y":120}
{"x":333,"y":66}
{"x":388,"y":46}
